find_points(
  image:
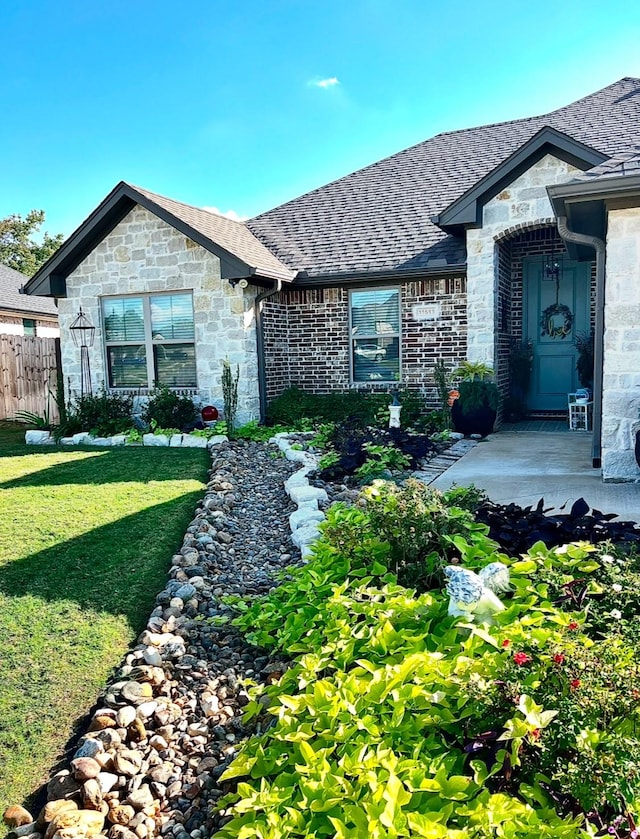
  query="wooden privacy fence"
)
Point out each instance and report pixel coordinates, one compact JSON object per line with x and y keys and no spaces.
{"x":28,"y":369}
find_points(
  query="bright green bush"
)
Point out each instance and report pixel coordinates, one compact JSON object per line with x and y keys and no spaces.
{"x":169,"y":409}
{"x":101,"y":413}
{"x":397,"y":720}
{"x":367,"y":407}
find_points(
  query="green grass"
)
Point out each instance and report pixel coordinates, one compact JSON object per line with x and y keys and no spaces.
{"x":86,"y":538}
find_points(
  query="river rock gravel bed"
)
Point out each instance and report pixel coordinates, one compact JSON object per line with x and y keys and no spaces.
{"x":170,"y":722}
{"x":168,"y":725}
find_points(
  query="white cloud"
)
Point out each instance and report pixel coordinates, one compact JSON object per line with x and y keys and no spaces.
{"x":229,"y":214}
{"x":325,"y":83}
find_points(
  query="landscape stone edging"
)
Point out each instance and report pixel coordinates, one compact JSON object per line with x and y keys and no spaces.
{"x":305,"y":520}
{"x":187,"y":441}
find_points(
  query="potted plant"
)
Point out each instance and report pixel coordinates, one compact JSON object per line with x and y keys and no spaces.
{"x":520,"y":367}
{"x":476,"y":409}
{"x":584,"y":365}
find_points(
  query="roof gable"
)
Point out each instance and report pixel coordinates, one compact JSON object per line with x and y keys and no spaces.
{"x":241,"y":254}
{"x":467,"y":209}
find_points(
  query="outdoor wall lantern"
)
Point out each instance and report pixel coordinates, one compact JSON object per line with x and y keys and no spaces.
{"x":83,"y":335}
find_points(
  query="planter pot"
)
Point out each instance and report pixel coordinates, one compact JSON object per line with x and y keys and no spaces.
{"x":478,"y":421}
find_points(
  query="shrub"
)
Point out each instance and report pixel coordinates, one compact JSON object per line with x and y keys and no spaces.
{"x":169,"y":409}
{"x":424,"y":531}
{"x":102,"y":413}
{"x":361,"y":406}
{"x":230,"y":394}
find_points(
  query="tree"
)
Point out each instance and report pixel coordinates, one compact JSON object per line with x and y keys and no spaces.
{"x":18,"y":248}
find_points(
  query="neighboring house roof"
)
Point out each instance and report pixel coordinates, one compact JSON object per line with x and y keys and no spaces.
{"x":379,"y":218}
{"x":241,"y":254}
{"x":11,"y":281}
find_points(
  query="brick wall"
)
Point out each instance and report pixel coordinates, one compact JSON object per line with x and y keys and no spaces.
{"x":307,"y":337}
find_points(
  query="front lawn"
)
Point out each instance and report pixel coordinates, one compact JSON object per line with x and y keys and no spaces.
{"x":86,"y":539}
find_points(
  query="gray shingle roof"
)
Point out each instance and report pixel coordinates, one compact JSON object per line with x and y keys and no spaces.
{"x":618,"y":166}
{"x":378,"y":218}
{"x":11,"y":300}
{"x":233,"y":236}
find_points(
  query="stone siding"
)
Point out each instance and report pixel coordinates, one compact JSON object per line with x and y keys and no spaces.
{"x":307,"y":337}
{"x":144,"y":254}
{"x":522,"y":202}
{"x":621,"y":382}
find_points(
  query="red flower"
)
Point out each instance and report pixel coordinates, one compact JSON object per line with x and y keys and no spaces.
{"x":558,"y":658}
{"x":573,"y":625}
{"x":535,"y":734}
{"x":521,"y":658}
{"x":506,"y":642}
{"x":574,"y":684}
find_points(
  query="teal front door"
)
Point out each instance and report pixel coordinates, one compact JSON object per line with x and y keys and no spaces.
{"x":556,"y":309}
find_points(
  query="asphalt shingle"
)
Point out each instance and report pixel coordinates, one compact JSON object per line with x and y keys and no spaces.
{"x":378,"y":218}
{"x":11,"y":300}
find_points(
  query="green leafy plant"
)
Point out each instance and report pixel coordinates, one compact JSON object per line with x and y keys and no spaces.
{"x":584,"y":344}
{"x":158,"y":430}
{"x":520,"y":369}
{"x":470,"y":371}
{"x":134,"y":435}
{"x":101,"y":414}
{"x":169,"y":409}
{"x":394,"y":718}
{"x":230,"y":395}
{"x":380,"y":460}
{"x":442,"y":379}
{"x":41,"y":422}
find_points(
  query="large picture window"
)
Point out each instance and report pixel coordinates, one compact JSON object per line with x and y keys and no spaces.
{"x":149,"y":339}
{"x":375,"y":335}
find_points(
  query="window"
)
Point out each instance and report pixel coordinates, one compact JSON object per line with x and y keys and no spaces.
{"x":149,"y":339}
{"x":375,"y":335}
{"x":29,"y":326}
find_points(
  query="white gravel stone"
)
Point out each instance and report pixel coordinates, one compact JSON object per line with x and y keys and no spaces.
{"x":299,"y":495}
{"x":305,"y":535}
{"x":216,"y":440}
{"x":304,"y":516}
{"x":37,"y":438}
{"x":155,"y":440}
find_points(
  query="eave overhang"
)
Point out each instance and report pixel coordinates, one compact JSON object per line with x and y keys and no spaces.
{"x":466,"y":211}
{"x":352,"y":278}
{"x":584,"y":203}
{"x":50,"y":280}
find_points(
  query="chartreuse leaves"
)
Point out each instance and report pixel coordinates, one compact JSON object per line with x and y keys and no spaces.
{"x":377,"y":728}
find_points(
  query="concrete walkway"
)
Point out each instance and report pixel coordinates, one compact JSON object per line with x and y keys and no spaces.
{"x":523,"y":467}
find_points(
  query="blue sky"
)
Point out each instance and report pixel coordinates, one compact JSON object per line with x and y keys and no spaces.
{"x":218,"y":104}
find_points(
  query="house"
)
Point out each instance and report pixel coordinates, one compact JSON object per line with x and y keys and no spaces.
{"x":21,"y":314}
{"x":452,"y":249}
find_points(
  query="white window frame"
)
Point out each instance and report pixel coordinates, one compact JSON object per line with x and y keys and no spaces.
{"x":353,"y":337}
{"x":148,"y":342}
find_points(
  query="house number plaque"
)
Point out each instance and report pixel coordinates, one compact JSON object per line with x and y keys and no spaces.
{"x":426,"y":311}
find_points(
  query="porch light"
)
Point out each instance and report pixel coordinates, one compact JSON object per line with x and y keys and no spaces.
{"x":83,"y":334}
{"x":82,"y":331}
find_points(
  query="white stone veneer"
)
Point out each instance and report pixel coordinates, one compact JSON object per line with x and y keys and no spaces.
{"x":621,"y":379}
{"x":144,"y":254}
{"x":524,"y":201}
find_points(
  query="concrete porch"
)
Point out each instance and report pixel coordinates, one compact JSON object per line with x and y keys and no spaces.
{"x":524,"y":466}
